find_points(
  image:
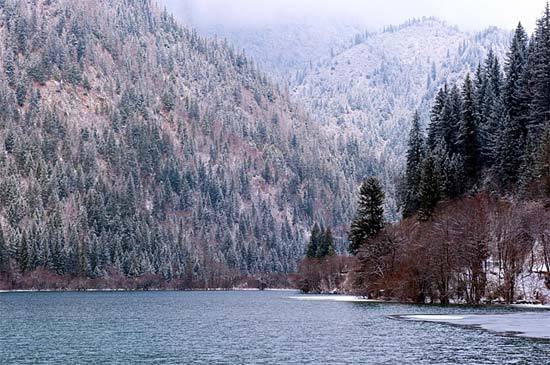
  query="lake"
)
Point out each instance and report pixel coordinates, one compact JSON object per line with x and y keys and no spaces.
{"x":240,"y":327}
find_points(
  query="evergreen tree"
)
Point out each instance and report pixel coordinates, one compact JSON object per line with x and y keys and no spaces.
{"x":436,"y":127}
{"x":413,"y":174}
{"x":543,"y":161}
{"x":430,"y":188}
{"x":512,"y":137}
{"x":23,"y":254}
{"x":492,"y":112}
{"x":467,"y":135}
{"x":314,"y":240}
{"x":326,"y":245}
{"x":515,"y":69}
{"x":540,"y":75}
{"x":4,"y":254}
{"x":479,"y":94}
{"x":369,"y":219}
{"x":454,"y":117}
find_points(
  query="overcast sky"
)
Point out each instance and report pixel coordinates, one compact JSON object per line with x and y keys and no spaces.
{"x":467,"y":14}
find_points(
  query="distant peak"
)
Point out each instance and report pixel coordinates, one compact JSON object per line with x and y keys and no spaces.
{"x":414,"y":22}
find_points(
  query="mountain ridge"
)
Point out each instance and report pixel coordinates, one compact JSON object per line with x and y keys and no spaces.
{"x":145,"y":149}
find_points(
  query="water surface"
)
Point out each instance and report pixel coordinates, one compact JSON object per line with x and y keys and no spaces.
{"x":240,"y":328}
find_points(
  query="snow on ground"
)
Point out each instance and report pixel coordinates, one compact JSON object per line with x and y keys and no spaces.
{"x":532,"y":325}
{"x":532,"y":306}
{"x":333,"y":298}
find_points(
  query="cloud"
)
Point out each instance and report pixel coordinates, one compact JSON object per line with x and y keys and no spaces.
{"x":467,"y":14}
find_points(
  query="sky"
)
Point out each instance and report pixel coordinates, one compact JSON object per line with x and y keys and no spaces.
{"x":467,"y":14}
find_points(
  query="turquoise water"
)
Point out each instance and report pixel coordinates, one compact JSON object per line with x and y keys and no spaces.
{"x":239,"y":328}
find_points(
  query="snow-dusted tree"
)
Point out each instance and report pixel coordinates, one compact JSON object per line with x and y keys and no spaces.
{"x":511,"y":142}
{"x":542,"y":166}
{"x":413,"y":174}
{"x":369,"y":219}
{"x":326,"y":244}
{"x":314,"y":241}
{"x":540,"y":74}
{"x":430,"y":188}
{"x":467,"y":146}
{"x":492,"y":111}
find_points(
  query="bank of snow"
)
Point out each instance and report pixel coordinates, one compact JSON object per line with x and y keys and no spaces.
{"x":333,"y":298}
{"x":532,"y":325}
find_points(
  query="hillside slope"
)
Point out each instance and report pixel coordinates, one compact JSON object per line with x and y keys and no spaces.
{"x":286,"y":46}
{"x":131,"y":146}
{"x":366,"y":95}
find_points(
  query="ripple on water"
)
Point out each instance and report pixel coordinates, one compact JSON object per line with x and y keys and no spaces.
{"x":241,"y":327}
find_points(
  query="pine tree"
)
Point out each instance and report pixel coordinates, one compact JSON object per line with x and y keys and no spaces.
{"x":23,"y":254}
{"x":369,"y":219}
{"x":540,"y":74}
{"x":492,"y":112}
{"x":543,"y":161}
{"x":479,"y":94}
{"x":313,"y":245}
{"x":413,"y":174}
{"x":436,"y":127}
{"x":430,"y":189}
{"x":512,"y":137}
{"x":454,"y":117}
{"x":4,"y":254}
{"x":515,"y":68}
{"x":467,"y":138}
{"x":326,"y":244}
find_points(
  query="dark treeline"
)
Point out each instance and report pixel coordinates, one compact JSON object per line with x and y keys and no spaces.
{"x":488,"y":134}
{"x":474,"y":194}
{"x":320,"y":259}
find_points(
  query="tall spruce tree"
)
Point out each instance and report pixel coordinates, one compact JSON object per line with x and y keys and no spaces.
{"x":4,"y":254}
{"x":467,"y":138}
{"x":492,"y":111}
{"x":540,"y":73}
{"x":369,"y":219}
{"x":515,"y":69}
{"x":23,"y":254}
{"x":512,"y":137}
{"x":454,"y":119}
{"x":430,"y":188}
{"x":413,"y":175}
{"x":314,"y":240}
{"x":543,"y":161}
{"x":326,"y":244}
{"x":437,"y":125}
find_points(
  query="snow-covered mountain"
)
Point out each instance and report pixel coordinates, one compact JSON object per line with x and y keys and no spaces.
{"x":284,"y":47}
{"x":366,"y":95}
{"x":363,"y":87}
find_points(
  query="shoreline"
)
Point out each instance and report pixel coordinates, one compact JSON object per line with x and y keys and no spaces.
{"x":334,"y":297}
{"x":111,"y":290}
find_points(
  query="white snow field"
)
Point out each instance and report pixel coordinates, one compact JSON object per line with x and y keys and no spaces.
{"x":532,"y":324}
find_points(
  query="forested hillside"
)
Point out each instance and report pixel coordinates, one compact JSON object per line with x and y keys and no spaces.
{"x":131,"y":147}
{"x":366,"y":95}
{"x":475,"y":196}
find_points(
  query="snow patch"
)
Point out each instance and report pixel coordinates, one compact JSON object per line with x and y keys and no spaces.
{"x":333,"y":298}
{"x":532,"y":325}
